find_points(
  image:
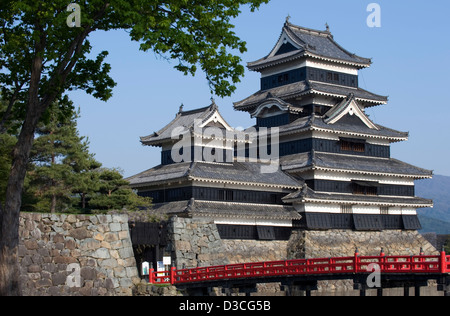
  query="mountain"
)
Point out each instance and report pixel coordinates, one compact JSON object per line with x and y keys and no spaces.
{"x":436,"y":219}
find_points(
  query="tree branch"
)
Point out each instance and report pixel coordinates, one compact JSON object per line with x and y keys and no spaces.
{"x":8,"y":111}
{"x":66,"y":66}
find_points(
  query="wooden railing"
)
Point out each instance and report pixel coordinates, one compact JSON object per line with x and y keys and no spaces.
{"x":340,"y":265}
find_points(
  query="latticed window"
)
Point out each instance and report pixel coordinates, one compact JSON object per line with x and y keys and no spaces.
{"x":364,"y":190}
{"x":384,"y":210}
{"x":225,"y":195}
{"x":352,"y":146}
{"x":346,"y":209}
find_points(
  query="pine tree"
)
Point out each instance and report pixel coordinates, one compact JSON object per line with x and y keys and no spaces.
{"x":64,"y":176}
{"x":85,"y":178}
{"x":53,"y":157}
{"x":115,"y":194}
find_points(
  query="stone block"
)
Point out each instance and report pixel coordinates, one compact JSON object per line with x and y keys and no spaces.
{"x":70,"y":244}
{"x":115,"y":227}
{"x":80,"y":233}
{"x":109,"y":237}
{"x":34,"y":268}
{"x":31,"y":244}
{"x":126,"y":252}
{"x":101,"y":253}
{"x":109,"y":263}
{"x":88,"y":273}
{"x":59,"y":278}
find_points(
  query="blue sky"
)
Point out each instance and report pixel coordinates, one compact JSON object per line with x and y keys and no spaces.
{"x":411,"y":65}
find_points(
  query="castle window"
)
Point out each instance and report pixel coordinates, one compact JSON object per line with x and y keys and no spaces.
{"x":352,"y":145}
{"x":283,"y":78}
{"x":225,"y":195}
{"x":273,"y":199}
{"x":230,"y":195}
{"x":384,"y":210}
{"x":365,"y":187}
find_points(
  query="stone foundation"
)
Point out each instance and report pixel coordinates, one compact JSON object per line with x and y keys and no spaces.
{"x":76,"y":255}
{"x":342,"y":243}
{"x":197,"y":243}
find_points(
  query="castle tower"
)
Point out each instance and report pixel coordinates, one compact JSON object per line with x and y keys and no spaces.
{"x":309,"y":89}
{"x":335,"y":185}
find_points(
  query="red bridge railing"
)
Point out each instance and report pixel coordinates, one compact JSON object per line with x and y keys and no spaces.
{"x":344,"y":265}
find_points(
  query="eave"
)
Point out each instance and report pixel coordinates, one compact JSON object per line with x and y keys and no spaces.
{"x":362,"y":172}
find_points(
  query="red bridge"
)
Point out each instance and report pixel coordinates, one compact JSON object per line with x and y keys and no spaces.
{"x":407,"y":268}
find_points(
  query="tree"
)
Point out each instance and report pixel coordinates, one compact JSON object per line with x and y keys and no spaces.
{"x":64,"y":176}
{"x":57,"y":160}
{"x":7,"y":143}
{"x":86,"y":179}
{"x":114,"y":193}
{"x":41,"y":58}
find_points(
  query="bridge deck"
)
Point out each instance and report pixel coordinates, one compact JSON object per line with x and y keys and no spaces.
{"x":320,"y":268}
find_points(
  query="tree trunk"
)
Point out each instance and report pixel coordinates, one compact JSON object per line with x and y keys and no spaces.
{"x":9,"y":215}
{"x":53,"y":204}
{"x":9,"y":232}
{"x":83,"y":200}
{"x":9,"y":225}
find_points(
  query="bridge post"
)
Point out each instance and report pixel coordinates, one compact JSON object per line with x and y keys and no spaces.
{"x":406,"y":289}
{"x":356,"y":261}
{"x":417,"y":290}
{"x":172,"y":275}
{"x":151,"y":277}
{"x":443,"y":261}
{"x":362,"y":291}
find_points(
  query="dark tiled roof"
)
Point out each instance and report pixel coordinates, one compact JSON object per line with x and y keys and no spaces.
{"x":312,"y":43}
{"x":306,"y":194}
{"x":184,"y":119}
{"x":352,"y":164}
{"x":244,"y":173}
{"x":227,"y":209}
{"x":160,"y":174}
{"x":341,"y":127}
{"x":305,"y":87}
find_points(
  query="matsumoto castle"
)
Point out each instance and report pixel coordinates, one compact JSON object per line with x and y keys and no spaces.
{"x":334,"y":171}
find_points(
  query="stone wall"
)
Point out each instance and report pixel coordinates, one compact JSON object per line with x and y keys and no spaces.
{"x":76,"y":255}
{"x":196,"y":242}
{"x":341,"y":243}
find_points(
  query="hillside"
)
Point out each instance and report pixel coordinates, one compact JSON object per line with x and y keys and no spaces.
{"x":436,"y":219}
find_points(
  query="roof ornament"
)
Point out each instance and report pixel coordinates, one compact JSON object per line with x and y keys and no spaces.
{"x":181,"y":108}
{"x":327,"y":27}
{"x":288,"y":18}
{"x":213,"y":104}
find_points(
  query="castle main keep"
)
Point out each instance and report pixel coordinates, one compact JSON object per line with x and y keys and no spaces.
{"x":313,"y":178}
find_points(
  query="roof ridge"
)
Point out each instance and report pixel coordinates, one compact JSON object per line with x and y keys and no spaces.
{"x":194,"y":111}
{"x":325,"y":33}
